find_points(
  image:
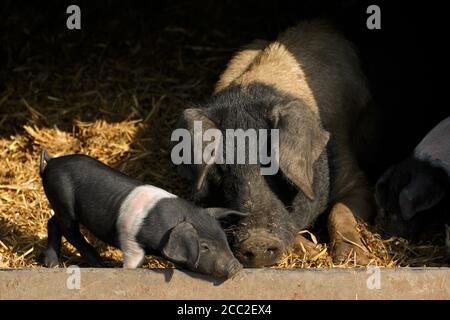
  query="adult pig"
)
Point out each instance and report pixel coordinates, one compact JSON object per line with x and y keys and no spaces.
{"x":308,"y":85}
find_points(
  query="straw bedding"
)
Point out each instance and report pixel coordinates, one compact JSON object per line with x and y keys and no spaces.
{"x":118,"y":101}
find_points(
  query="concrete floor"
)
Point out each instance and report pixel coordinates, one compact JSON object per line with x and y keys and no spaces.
{"x":431,"y":283}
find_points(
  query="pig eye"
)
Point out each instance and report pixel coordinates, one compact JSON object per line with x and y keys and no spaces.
{"x":204,"y":247}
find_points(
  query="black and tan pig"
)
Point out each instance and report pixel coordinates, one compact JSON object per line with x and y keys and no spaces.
{"x":307,"y":84}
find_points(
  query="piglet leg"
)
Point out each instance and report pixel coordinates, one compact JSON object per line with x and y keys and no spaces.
{"x":345,"y":239}
{"x":52,"y":252}
{"x":133,"y":255}
{"x":72,"y":233}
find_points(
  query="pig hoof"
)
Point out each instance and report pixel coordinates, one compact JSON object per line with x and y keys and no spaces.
{"x":344,"y":252}
{"x":49,"y":259}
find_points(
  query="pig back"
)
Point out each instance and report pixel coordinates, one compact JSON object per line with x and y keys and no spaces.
{"x":313,"y":63}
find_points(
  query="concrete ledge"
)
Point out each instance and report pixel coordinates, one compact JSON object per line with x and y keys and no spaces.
{"x":404,"y":283}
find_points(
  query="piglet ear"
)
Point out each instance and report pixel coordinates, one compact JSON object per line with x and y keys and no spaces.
{"x":418,"y":196}
{"x":183,"y":245}
{"x":223,"y":213}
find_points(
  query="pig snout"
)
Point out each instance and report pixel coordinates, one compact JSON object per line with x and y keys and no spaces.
{"x":260,"y":249}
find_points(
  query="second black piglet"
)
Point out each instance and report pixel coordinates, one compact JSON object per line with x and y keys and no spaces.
{"x":418,"y":186}
{"x":137,"y":218}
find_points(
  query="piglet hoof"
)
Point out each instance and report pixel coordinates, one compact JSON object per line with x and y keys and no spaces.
{"x":49,"y":259}
{"x":97,"y":264}
{"x":344,"y":252}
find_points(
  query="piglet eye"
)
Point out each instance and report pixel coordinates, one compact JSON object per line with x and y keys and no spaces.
{"x":204,"y":247}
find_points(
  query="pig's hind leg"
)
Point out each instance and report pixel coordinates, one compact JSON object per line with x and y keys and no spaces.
{"x":51,"y":254}
{"x":71,"y":231}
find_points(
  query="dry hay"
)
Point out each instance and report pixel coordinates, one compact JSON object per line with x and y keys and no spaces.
{"x":118,"y":100}
{"x":24,"y":209}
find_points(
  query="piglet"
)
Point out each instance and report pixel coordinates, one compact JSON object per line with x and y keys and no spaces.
{"x":139,"y":219}
{"x":417,"y":185}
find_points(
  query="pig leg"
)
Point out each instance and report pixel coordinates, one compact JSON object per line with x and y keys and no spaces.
{"x":52,"y":253}
{"x":133,"y":256}
{"x":71,"y":231}
{"x":344,"y":236}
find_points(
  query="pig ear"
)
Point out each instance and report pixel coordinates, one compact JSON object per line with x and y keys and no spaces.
{"x":415,"y":198}
{"x":223,"y":213}
{"x":197,"y":172}
{"x":183,"y":245}
{"x":302,"y":140}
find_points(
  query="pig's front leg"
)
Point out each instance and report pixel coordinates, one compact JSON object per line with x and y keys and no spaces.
{"x":133,"y":255}
{"x":342,"y":227}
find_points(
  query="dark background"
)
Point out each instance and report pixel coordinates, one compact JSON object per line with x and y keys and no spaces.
{"x":406,"y":61}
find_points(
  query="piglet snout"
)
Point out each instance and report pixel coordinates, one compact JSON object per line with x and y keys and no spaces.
{"x":233,"y":268}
